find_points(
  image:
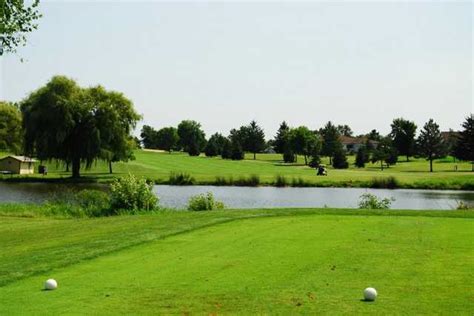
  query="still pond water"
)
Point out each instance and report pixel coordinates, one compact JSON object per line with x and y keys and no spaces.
{"x":259,"y":197}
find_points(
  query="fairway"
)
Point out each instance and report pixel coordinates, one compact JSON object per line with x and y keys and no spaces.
{"x":293,"y":262}
{"x":157,"y":167}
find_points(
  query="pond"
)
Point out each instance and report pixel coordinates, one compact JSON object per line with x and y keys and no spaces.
{"x":256,"y":197}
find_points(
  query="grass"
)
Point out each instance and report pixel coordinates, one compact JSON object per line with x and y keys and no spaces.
{"x":308,"y":261}
{"x":164,"y":167}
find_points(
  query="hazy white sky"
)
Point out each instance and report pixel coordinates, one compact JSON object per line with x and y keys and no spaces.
{"x":224,"y":64}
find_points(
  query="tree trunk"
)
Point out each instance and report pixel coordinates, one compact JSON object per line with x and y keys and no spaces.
{"x":381,"y":165}
{"x":67,"y":166}
{"x":76,"y":166}
{"x":305,"y":160}
{"x":431,"y":164}
{"x":254,"y":156}
{"x":407,"y":159}
{"x":330,"y":160}
{"x":110,"y":166}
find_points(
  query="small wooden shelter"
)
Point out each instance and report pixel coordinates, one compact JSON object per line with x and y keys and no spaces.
{"x":17,"y":165}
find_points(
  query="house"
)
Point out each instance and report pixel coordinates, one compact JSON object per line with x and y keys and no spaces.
{"x":353,"y":144}
{"x":17,"y":165}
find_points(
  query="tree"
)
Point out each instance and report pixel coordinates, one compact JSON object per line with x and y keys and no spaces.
{"x":464,"y":149}
{"x":345,"y":130}
{"x":148,"y":135}
{"x":361,"y":157}
{"x":340,"y":160}
{"x":385,"y":152}
{"x":403,"y":136}
{"x":64,"y":122}
{"x":374,"y":135}
{"x":331,"y":140}
{"x":10,"y":128}
{"x":191,"y":137}
{"x":226,"y":149}
{"x":304,"y":142}
{"x":115,"y":118}
{"x":16,"y":20}
{"x":167,"y":139}
{"x":215,"y":145}
{"x":430,"y":142}
{"x":281,"y":138}
{"x":254,"y":139}
{"x":237,"y":153}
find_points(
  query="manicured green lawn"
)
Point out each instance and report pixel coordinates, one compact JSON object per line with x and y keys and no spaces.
{"x":158,"y":166}
{"x":240,"y":262}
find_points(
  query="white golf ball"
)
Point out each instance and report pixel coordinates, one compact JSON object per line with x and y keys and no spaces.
{"x":370,"y":294}
{"x":50,"y":284}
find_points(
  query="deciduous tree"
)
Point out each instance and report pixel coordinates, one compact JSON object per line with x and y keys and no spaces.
{"x":403,"y":136}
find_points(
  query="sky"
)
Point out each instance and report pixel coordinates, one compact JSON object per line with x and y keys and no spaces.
{"x":224,"y":64}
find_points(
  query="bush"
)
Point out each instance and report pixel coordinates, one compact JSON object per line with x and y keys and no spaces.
{"x":315,"y":161}
{"x":132,"y":194}
{"x":281,"y":181}
{"x":371,"y":201}
{"x":181,"y":178}
{"x":204,"y":202}
{"x":361,"y":158}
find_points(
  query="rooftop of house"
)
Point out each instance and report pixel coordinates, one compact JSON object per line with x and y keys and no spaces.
{"x":348,"y":140}
{"x":20,"y":158}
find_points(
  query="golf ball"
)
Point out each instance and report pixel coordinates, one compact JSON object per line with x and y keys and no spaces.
{"x":50,"y":284}
{"x":370,"y":294}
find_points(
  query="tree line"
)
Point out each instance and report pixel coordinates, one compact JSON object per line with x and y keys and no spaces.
{"x":189,"y":137}
{"x":77,"y":126}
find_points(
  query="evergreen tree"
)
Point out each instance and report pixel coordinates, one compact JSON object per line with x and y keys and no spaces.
{"x":430,"y":142}
{"x":339,"y":159}
{"x":361,"y":157}
{"x":281,"y":138}
{"x":464,"y":149}
{"x":331,"y":140}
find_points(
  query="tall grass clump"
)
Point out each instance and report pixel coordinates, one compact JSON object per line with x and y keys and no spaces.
{"x":252,"y":181}
{"x":372,"y":202}
{"x":204,"y":202}
{"x":384,"y":183}
{"x":84,"y":203}
{"x":281,"y":181}
{"x":181,"y":178}
{"x":299,"y":182}
{"x":223,"y":181}
{"x":131,"y":194}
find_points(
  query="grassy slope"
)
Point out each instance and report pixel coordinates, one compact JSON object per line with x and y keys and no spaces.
{"x":157,"y":166}
{"x":280,"y":261}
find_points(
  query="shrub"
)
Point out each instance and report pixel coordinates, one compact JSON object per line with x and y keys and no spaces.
{"x":281,"y":181}
{"x":289,"y":156}
{"x":204,"y":202}
{"x":132,"y":194}
{"x":299,"y":182}
{"x":181,"y":178}
{"x":371,"y":201}
{"x":361,"y":158}
{"x":384,"y":183}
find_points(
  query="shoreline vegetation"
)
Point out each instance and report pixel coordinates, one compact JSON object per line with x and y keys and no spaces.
{"x":266,"y":170}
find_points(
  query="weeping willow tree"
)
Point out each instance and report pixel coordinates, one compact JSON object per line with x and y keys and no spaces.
{"x":17,"y":19}
{"x":75,"y":125}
